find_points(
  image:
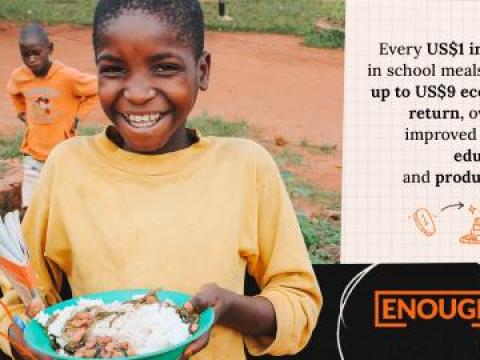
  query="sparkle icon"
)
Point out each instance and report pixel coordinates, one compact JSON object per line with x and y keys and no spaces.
{"x":472,"y":209}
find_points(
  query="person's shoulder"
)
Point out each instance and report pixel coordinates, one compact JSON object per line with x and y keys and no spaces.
{"x":71,"y":148}
{"x":72,"y":72}
{"x":19,"y":71}
{"x":20,"y":74}
{"x":66,"y":160}
{"x":240,"y":146}
{"x":244,"y":150}
{"x":65,"y":70}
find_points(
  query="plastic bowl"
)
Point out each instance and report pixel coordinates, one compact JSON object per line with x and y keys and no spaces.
{"x":36,"y":337}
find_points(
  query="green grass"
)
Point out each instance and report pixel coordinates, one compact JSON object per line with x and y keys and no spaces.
{"x":218,"y":126}
{"x":325,"y":39}
{"x":3,"y":168}
{"x":10,"y":146}
{"x":296,"y":17}
{"x":288,"y":157}
{"x":333,"y":10}
{"x":274,"y":16}
{"x":321,"y":238}
{"x":89,"y":130}
{"x":298,"y":188}
{"x":326,"y":149}
{"x":50,"y":11}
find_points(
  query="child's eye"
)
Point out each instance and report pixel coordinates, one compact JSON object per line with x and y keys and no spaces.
{"x":32,"y":53}
{"x":166,"y":69}
{"x":112,"y":70}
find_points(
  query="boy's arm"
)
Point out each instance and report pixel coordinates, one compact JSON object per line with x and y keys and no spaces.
{"x":85,"y":87}
{"x":17,"y":98}
{"x":281,"y":267}
{"x":281,"y":319}
{"x":20,"y":106}
{"x":86,"y":105}
{"x":22,"y":117}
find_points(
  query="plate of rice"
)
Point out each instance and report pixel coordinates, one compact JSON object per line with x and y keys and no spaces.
{"x":133,"y":324}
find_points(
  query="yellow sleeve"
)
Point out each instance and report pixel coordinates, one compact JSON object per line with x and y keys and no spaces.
{"x":282,"y":268}
{"x":85,"y":87}
{"x":34,"y":227}
{"x":16,"y":96}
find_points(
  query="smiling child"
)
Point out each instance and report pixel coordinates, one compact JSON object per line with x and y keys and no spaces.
{"x":151,"y":203}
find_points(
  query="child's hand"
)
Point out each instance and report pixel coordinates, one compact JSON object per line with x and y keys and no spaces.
{"x":249,"y":315}
{"x":210,"y":295}
{"x":35,"y":307}
{"x":22,"y":117}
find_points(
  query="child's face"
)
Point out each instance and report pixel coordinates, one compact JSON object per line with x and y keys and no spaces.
{"x":36,"y":55}
{"x":148,"y":81}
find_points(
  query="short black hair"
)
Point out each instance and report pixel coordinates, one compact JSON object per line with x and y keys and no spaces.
{"x":184,"y":15}
{"x":36,"y":31}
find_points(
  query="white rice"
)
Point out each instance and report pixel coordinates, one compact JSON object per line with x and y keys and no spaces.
{"x":150,"y":327}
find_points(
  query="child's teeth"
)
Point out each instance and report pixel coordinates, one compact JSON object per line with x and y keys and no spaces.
{"x":143,"y":121}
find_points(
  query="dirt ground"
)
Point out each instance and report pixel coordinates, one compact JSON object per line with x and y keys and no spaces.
{"x":281,"y":88}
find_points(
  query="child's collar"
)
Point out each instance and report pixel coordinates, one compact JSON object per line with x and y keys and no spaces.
{"x":56,"y":65}
{"x":114,"y":136}
{"x":159,"y":164}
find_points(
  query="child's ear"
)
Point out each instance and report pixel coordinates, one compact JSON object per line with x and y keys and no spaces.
{"x":204,"y":63}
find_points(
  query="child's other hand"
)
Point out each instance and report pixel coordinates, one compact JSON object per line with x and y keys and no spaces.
{"x":22,"y":117}
{"x":35,"y":307}
{"x":210,"y":295}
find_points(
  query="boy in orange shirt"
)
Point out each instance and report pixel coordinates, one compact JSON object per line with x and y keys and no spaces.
{"x":50,"y":98}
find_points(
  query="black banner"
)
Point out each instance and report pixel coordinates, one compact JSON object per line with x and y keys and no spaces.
{"x":442,"y":299}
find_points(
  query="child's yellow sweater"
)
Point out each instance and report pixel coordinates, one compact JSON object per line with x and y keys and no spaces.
{"x":51,"y":105}
{"x":110,"y":219}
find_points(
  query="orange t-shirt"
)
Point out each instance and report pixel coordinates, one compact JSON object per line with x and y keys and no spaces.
{"x":51,"y":104}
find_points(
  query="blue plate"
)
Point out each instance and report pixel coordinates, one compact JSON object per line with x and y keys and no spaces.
{"x":36,"y":337}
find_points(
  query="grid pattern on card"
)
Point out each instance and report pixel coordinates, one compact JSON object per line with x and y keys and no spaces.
{"x":378,"y":222}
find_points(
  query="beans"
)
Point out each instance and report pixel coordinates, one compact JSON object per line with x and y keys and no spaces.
{"x":78,"y":335}
{"x":193,"y":328}
{"x":90,"y":353}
